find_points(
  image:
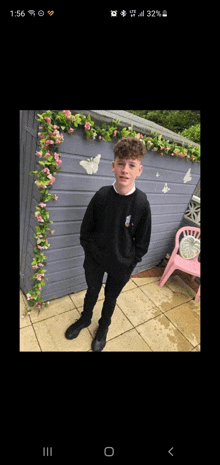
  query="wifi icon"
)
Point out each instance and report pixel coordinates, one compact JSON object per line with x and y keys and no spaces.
{"x":31,"y":12}
{"x":50,"y":13}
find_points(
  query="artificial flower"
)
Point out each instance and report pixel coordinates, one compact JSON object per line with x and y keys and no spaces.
{"x":53,"y":137}
{"x":39,"y":277}
{"x":87,"y":126}
{"x":67,"y":113}
{"x":39,"y":154}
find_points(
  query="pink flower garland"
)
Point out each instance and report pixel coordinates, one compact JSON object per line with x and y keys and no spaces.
{"x":49,"y":138}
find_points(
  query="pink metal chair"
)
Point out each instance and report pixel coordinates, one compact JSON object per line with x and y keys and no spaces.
{"x":191,"y":266}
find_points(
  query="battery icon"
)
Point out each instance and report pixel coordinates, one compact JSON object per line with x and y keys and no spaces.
{"x":164,"y":13}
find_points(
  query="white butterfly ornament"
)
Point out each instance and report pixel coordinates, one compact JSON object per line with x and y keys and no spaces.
{"x":91,"y":164}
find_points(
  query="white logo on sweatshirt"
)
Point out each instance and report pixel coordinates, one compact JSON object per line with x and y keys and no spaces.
{"x":127,"y":221}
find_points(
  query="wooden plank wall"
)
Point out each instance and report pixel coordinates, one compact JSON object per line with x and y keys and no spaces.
{"x":28,"y":146}
{"x":75,"y":188}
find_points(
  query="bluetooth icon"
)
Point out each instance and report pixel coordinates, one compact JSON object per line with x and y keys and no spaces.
{"x":123,"y":13}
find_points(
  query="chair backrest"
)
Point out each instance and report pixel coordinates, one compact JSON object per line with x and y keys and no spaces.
{"x":187,"y":231}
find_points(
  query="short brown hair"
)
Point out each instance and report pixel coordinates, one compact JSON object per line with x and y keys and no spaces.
{"x":130,"y":147}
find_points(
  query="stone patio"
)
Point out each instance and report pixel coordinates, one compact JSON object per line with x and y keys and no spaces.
{"x":146,"y":319}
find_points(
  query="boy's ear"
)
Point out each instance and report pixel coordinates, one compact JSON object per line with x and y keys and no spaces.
{"x":113,"y":166}
{"x":141,"y":169}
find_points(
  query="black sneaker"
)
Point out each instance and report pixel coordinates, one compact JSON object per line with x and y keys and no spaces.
{"x":73,"y":331}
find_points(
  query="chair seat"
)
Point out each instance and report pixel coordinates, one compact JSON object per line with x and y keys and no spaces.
{"x":190,"y":266}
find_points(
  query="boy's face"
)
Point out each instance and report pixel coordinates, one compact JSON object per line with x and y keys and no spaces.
{"x":126,"y":170}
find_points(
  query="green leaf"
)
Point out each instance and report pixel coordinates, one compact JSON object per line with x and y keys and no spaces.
{"x":43,"y":163}
{"x":47,"y":197}
{"x":33,"y":172}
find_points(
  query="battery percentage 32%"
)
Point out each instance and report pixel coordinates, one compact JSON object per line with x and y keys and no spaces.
{"x":153,"y":13}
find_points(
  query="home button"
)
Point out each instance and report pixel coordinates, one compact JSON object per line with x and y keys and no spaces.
{"x":109,"y":451}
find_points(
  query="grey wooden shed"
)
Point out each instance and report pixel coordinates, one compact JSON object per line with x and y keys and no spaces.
{"x":169,"y":183}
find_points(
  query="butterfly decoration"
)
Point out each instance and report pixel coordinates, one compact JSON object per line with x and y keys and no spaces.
{"x":91,"y":164}
{"x":166,"y":188}
{"x":188,"y":176}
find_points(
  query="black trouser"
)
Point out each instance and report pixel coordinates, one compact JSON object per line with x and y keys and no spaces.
{"x":94,"y":275}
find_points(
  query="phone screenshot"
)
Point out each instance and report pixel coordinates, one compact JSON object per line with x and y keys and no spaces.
{"x":109,"y":233}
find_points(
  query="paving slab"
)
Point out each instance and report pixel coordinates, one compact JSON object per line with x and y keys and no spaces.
{"x":119,"y":323}
{"x":164,"y":297}
{"x":146,"y":318}
{"x":147,"y":280}
{"x":130,"y":285}
{"x":137,"y":306}
{"x":56,"y":307}
{"x":162,"y":336}
{"x":178,"y":286}
{"x":50,"y":334}
{"x":28,"y":340}
{"x":196,"y":349}
{"x":130,"y":341}
{"x":187,"y":321}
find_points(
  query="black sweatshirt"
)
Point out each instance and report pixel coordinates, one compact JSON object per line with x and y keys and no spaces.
{"x":116,"y":230}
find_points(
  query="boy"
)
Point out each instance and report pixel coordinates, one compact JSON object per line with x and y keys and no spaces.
{"x":115,"y":234}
